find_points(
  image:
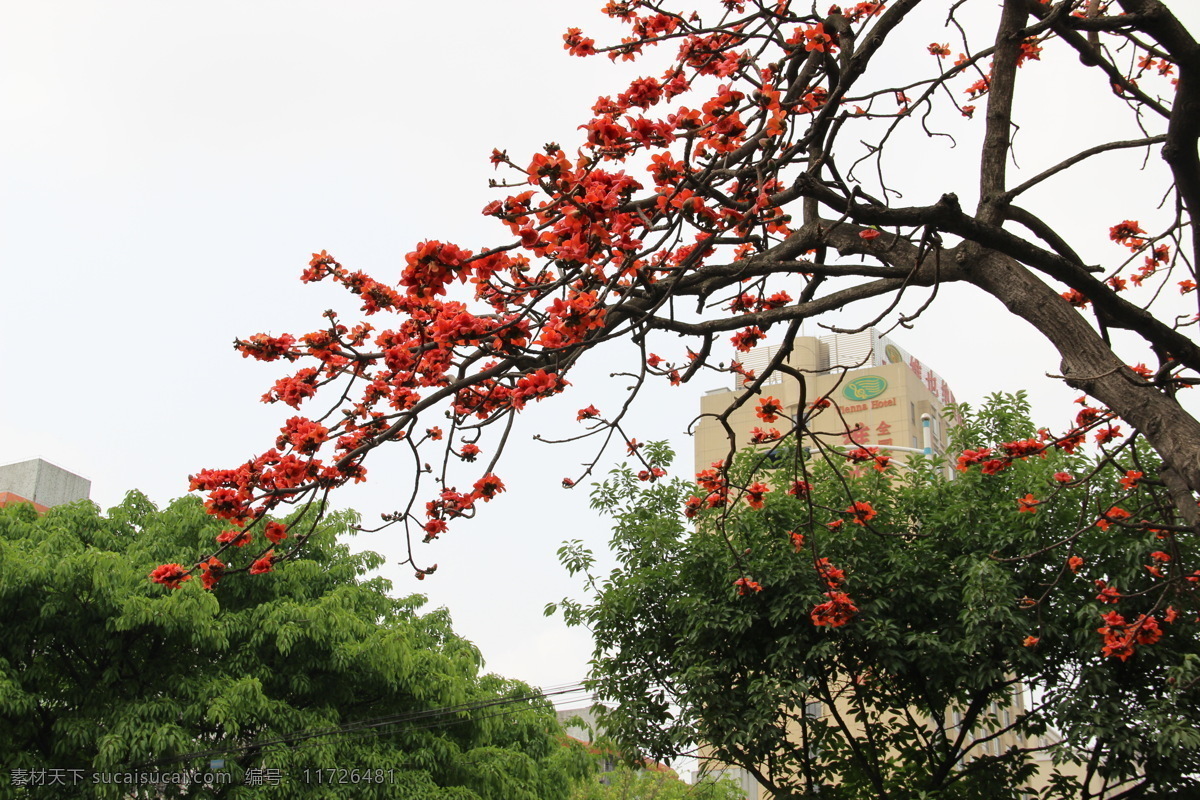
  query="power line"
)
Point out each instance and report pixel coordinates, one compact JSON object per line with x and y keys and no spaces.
{"x":374,"y":726}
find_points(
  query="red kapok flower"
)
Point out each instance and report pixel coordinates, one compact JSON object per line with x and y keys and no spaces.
{"x":1114,"y":514}
{"x":591,"y":412}
{"x":970,"y":457}
{"x":170,"y":575}
{"x":488,"y":487}
{"x":1146,"y":630}
{"x":746,"y":340}
{"x":755,"y":493}
{"x":1027,"y":504}
{"x":1131,"y":479}
{"x":745,"y":585}
{"x":1075,"y":298}
{"x":234,"y":537}
{"x":817,"y":39}
{"x":863,"y":512}
{"x":211,"y":571}
{"x":1124,"y":232}
{"x":835,"y":612}
{"x":759,"y":436}
{"x":275,"y":532}
{"x":832,"y":576}
{"x":769,"y":409}
{"x":434,"y":527}
{"x":263,"y":564}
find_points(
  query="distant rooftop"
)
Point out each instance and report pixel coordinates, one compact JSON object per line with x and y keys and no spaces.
{"x":41,"y":483}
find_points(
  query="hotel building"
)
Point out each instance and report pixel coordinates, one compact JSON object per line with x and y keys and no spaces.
{"x":886,"y":397}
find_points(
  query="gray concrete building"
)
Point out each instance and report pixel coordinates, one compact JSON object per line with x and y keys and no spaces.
{"x":41,"y":483}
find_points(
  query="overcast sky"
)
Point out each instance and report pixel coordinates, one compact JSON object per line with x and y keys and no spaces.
{"x":169,"y":166}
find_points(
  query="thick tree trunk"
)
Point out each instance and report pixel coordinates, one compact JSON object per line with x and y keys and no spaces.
{"x":1089,"y":364}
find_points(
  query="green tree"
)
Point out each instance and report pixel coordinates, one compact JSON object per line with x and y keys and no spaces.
{"x":865,"y":636}
{"x":628,"y":783}
{"x":314,"y":671}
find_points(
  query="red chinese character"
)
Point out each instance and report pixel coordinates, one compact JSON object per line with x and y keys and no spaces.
{"x":915,"y":366}
{"x":884,"y":441}
{"x":860,"y":435}
{"x":883,"y":429}
{"x":931,"y":380}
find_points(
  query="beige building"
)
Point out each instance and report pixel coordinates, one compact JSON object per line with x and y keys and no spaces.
{"x":879,"y":395}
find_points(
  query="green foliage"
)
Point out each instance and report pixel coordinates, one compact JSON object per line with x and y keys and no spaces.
{"x":105,"y":672}
{"x":705,"y":632}
{"x":626,"y":783}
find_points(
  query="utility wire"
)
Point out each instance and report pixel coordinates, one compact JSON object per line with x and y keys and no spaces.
{"x":360,"y":734}
{"x":431,"y":718}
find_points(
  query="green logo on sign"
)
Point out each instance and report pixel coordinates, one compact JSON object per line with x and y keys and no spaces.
{"x":865,"y":388}
{"x":893,"y":354}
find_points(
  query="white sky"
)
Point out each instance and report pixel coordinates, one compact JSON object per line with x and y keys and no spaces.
{"x":168,"y":167}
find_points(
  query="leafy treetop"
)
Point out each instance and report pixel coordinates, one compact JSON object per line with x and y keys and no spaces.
{"x":906,"y":632}
{"x":313,"y":668}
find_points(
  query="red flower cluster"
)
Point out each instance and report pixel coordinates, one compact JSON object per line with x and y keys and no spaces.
{"x":583,"y":236}
{"x":211,"y":571}
{"x":237,"y":538}
{"x":713,"y":483}
{"x":971,"y":457}
{"x":170,"y":575}
{"x":755,"y":493}
{"x":1127,"y":233}
{"x":760,"y":436}
{"x":745,"y":586}
{"x":831,"y":575}
{"x":800,"y":488}
{"x":1114,"y":514}
{"x":264,"y":564}
{"x":860,"y":455}
{"x":1121,"y":638}
{"x":834,"y":612}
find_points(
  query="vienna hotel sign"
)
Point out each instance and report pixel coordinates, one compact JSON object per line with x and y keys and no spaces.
{"x":864,"y":394}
